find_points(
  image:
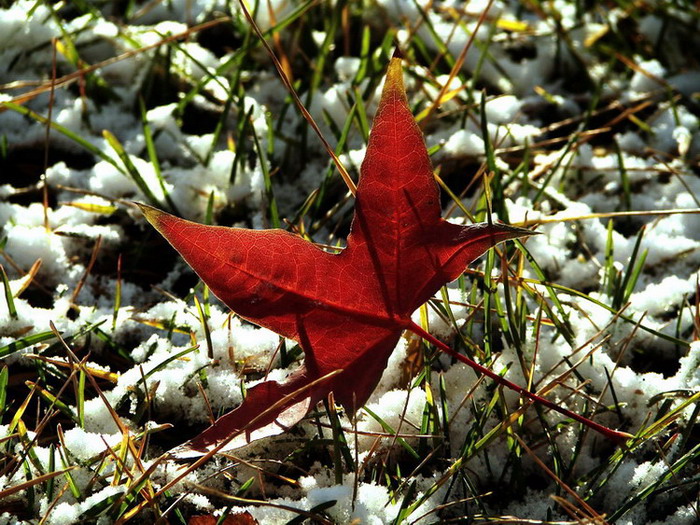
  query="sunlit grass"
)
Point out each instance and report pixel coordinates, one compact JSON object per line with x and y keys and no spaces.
{"x":465,"y":463}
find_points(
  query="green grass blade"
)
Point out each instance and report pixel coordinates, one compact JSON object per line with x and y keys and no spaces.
{"x":153,"y":157}
{"x":88,"y":146}
{"x":387,"y":428}
{"x":25,"y":342}
{"x":634,"y":268}
{"x":12,"y":310}
{"x":4,"y":374}
{"x":130,"y":168}
{"x":273,"y":212}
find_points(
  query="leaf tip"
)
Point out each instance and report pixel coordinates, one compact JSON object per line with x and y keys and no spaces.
{"x":394,"y":74}
{"x":507,"y":232}
{"x":153,"y":215}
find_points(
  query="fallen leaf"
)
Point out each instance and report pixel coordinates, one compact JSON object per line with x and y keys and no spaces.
{"x":346,"y":310}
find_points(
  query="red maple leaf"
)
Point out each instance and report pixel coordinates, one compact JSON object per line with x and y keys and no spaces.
{"x":346,"y":310}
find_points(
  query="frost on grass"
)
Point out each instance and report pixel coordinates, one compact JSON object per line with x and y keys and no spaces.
{"x":611,"y":312}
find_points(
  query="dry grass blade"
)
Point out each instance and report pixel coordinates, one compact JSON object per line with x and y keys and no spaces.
{"x":215,"y":450}
{"x":586,"y":129}
{"x":317,"y":518}
{"x":459,"y":62}
{"x":608,"y":215}
{"x":33,"y":482}
{"x":590,"y":513}
{"x":76,"y":76}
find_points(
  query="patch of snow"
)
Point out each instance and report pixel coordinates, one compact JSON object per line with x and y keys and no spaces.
{"x":571,"y":252}
{"x":648,"y":76}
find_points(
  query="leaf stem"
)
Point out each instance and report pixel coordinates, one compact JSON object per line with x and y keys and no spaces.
{"x":619,"y":438}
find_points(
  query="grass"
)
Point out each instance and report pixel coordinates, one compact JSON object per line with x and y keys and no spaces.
{"x":459,"y":449}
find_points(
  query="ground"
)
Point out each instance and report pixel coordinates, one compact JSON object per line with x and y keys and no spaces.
{"x":579,"y":120}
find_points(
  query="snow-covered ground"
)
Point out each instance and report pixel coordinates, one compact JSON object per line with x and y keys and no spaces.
{"x":638,"y":151}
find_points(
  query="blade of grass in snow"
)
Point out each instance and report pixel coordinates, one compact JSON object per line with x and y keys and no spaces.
{"x":4,"y":374}
{"x":601,"y":478}
{"x":405,"y":510}
{"x":117,"y":294}
{"x":364,"y":58}
{"x":205,"y":327}
{"x":437,"y":40}
{"x":163,"y":364}
{"x":75,"y":490}
{"x":236,"y":64}
{"x":33,"y":482}
{"x":9,"y":299}
{"x":612,"y":214}
{"x":634,"y":268}
{"x":495,"y":185}
{"x":130,"y":169}
{"x":92,"y":208}
{"x":341,"y":452}
{"x":361,"y":114}
{"x":527,"y":332}
{"x":610,"y":274}
{"x":339,"y":148}
{"x":459,"y":62}
{"x":53,"y":400}
{"x":153,"y":157}
{"x":88,"y":146}
{"x":240,"y":147}
{"x":273,"y":213}
{"x":307,"y":116}
{"x":490,"y":298}
{"x":330,"y":30}
{"x":646,"y":492}
{"x":624,"y":317}
{"x":387,"y":428}
{"x":25,"y":342}
{"x":220,"y":125}
{"x":668,"y":418}
{"x":81,"y":398}
{"x":563,"y":324}
{"x":51,"y":469}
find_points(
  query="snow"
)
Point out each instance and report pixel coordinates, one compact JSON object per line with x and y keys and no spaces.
{"x":370,"y":508}
{"x":463,"y":143}
{"x":660,"y":161}
{"x":648,"y":76}
{"x":68,"y":513}
{"x":85,"y":445}
{"x":400,"y":410}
